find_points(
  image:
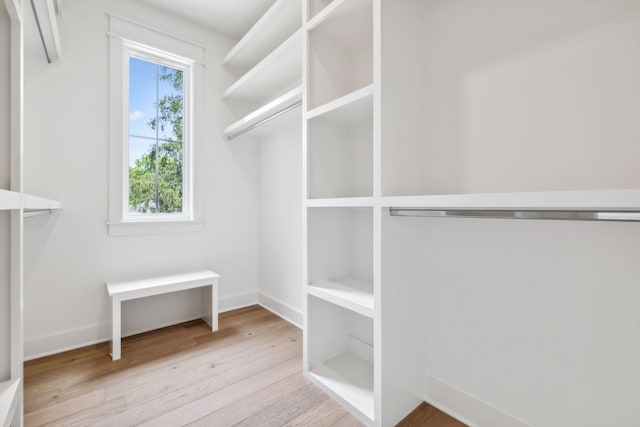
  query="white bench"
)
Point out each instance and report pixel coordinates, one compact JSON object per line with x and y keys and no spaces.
{"x":124,"y":291}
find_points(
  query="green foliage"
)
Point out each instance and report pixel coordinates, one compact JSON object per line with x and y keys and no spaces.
{"x":155,"y":182}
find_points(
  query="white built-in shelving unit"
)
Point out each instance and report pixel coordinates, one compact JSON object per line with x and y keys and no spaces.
{"x":367,"y":148}
{"x":21,"y":205}
{"x":341,"y":305}
{"x":268,"y":60}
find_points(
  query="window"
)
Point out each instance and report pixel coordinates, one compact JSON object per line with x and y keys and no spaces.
{"x":158,"y":140}
{"x":155,"y":98}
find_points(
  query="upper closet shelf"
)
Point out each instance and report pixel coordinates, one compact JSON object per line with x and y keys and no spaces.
{"x":280,"y":70}
{"x":588,"y":200}
{"x":272,"y":29}
{"x":273,"y":109}
{"x":340,"y":202}
{"x":335,"y":8}
{"x":348,"y":108}
{"x":10,"y":200}
{"x":336,"y":17}
{"x":13,"y":200}
{"x":39,"y":203}
{"x":8,"y":401}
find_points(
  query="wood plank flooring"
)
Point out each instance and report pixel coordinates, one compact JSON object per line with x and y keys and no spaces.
{"x":246,"y":374}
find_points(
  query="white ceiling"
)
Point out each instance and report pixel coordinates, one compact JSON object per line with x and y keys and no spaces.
{"x":229,"y":17}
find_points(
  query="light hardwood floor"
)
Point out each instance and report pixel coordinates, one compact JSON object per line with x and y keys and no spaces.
{"x":246,"y":374}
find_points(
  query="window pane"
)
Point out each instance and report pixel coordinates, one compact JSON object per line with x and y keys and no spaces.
{"x":142,"y":97}
{"x":156,"y":105}
{"x":142,"y":175}
{"x":170,"y":177}
{"x":170,"y":94}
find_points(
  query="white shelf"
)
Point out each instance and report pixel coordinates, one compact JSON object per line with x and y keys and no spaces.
{"x":15,"y":200}
{"x":323,"y":14}
{"x":341,"y":202}
{"x":280,"y":70}
{"x":274,"y":27}
{"x":265,"y":111}
{"x":338,"y":21}
{"x":349,"y":108}
{"x":350,"y":380}
{"x":347,"y":292}
{"x":317,"y":6}
{"x":39,"y":203}
{"x":8,"y":401}
{"x":588,"y":200}
{"x":10,"y":200}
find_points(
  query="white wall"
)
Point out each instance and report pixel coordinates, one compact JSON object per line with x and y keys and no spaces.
{"x":537,"y":319}
{"x":70,"y":255}
{"x":4,"y":184}
{"x":532,"y":95}
{"x":280,"y":215}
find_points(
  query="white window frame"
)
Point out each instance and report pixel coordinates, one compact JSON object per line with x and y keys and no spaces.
{"x":129,"y":38}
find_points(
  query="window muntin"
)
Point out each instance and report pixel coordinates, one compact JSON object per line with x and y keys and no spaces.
{"x":157,"y":143}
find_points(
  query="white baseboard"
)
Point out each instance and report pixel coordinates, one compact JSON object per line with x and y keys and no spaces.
{"x":72,"y":339}
{"x":466,"y":408}
{"x":233,"y":302}
{"x":288,"y":313}
{"x":35,"y":348}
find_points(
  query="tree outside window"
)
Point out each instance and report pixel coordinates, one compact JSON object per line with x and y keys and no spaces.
{"x":156,"y":139}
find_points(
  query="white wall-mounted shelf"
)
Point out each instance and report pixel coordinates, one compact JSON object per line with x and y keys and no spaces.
{"x":37,"y":203}
{"x":348,"y":292}
{"x":350,"y":380}
{"x":8,"y":401}
{"x":10,"y":200}
{"x":588,"y":200}
{"x":265,"y":112}
{"x":338,"y":15}
{"x":15,"y":200}
{"x":280,"y":70}
{"x":333,"y":9}
{"x":272,"y":29}
{"x":354,"y":106}
{"x":341,"y":202}
{"x":317,"y":6}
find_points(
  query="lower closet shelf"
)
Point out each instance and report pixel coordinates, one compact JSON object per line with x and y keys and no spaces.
{"x":348,"y":292}
{"x":350,"y":379}
{"x":8,"y":401}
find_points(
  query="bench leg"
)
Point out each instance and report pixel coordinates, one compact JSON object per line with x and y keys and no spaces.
{"x":210,"y":305}
{"x":116,"y":325}
{"x":214,"y":306}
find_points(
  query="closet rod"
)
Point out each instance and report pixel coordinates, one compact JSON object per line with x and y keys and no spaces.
{"x":39,"y":212}
{"x":39,"y":26}
{"x":558,"y":215}
{"x":265,"y":120}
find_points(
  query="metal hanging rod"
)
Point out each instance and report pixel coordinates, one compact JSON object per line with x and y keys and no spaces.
{"x":265,"y":120}
{"x":36,"y":212}
{"x":564,"y":215}
{"x":42,"y":39}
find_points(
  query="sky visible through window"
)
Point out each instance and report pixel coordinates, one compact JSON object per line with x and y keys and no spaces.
{"x":155,"y":127}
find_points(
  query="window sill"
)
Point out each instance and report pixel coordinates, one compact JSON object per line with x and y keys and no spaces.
{"x":153,"y":227}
